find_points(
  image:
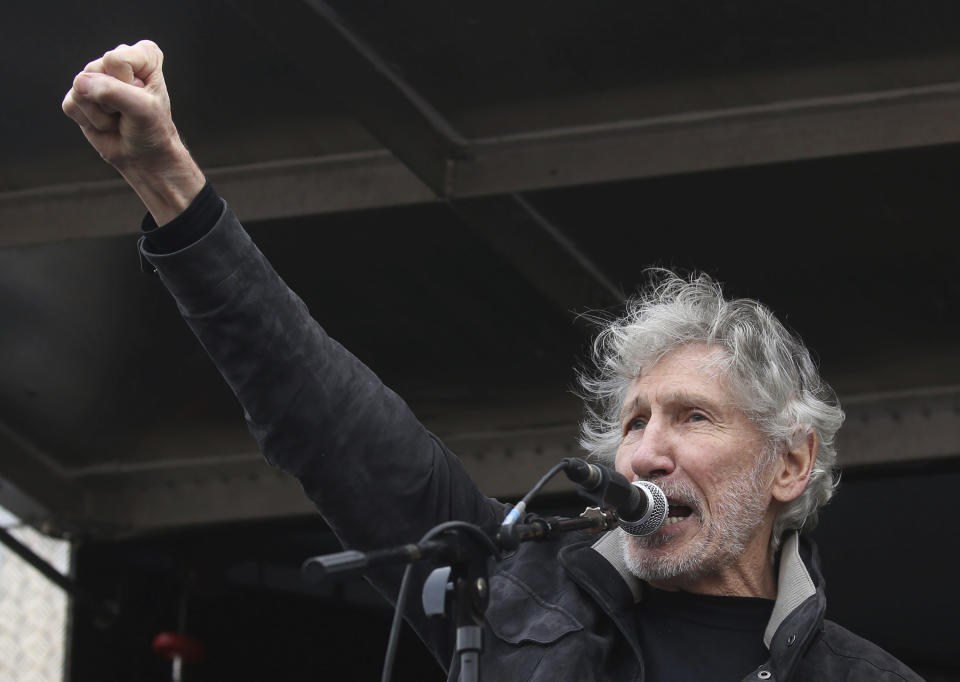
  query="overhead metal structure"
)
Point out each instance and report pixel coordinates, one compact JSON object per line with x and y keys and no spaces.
{"x":449,"y":189}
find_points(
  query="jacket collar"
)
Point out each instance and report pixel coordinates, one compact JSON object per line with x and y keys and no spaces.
{"x":795,"y":583}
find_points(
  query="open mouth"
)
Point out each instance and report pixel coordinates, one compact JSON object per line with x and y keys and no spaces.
{"x":676,"y":513}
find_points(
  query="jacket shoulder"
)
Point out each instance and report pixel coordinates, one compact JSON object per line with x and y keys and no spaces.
{"x":838,"y":654}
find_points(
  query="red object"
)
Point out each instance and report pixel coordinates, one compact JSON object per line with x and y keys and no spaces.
{"x":172,"y":645}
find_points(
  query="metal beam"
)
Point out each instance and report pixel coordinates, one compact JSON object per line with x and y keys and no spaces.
{"x":260,"y":191}
{"x":685,"y":142}
{"x":549,"y":260}
{"x":789,"y":130}
{"x":900,"y":426}
{"x":120,"y":505}
{"x":341,"y":63}
{"x":882,"y":429}
{"x":34,"y":486}
{"x":421,"y":137}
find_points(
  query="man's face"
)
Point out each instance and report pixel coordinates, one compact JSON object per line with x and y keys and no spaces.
{"x":682,"y":428}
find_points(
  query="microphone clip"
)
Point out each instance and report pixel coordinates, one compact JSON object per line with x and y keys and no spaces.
{"x":602,"y":486}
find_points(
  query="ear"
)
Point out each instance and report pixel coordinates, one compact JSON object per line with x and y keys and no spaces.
{"x":794,"y":467}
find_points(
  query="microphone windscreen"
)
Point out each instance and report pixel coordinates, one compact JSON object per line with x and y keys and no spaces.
{"x":656,"y":514}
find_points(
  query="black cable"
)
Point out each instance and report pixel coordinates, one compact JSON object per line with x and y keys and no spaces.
{"x":521,"y":507}
{"x":395,"y":626}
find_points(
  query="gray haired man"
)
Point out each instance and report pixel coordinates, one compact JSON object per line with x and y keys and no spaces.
{"x":711,"y":399}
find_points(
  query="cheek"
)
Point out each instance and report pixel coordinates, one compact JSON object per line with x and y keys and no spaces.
{"x":622,"y":461}
{"x":737,"y":460}
{"x":712,"y":463}
{"x":704,"y":473}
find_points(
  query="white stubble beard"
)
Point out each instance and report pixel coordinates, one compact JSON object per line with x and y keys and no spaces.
{"x":739,"y":511}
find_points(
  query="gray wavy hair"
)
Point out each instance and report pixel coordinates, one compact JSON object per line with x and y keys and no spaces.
{"x":768,"y":368}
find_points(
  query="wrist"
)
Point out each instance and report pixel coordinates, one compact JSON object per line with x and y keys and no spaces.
{"x":168,"y":185}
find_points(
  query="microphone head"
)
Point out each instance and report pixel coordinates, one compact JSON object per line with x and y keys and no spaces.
{"x":655,"y":515}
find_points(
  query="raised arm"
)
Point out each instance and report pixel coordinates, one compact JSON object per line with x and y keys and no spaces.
{"x":318,"y":413}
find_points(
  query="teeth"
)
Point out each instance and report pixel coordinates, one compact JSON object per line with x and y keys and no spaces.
{"x":672,"y":520}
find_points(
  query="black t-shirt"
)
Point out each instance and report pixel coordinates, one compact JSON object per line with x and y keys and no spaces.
{"x":692,"y":637}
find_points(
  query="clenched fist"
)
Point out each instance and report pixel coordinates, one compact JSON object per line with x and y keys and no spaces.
{"x":121,"y":103}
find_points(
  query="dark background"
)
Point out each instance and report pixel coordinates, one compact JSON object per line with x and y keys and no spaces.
{"x":803,"y":153}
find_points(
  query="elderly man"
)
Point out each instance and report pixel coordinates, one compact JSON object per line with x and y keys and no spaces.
{"x":711,"y":399}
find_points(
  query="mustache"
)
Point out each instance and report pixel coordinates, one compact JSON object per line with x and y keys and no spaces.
{"x":680,"y":492}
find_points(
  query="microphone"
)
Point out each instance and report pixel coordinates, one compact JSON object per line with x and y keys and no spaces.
{"x":641,"y":506}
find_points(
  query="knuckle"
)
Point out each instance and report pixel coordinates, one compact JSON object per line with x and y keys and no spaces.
{"x":151,"y":47}
{"x":116,"y":55}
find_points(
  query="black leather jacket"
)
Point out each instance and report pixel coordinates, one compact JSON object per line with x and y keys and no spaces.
{"x":559,"y":610}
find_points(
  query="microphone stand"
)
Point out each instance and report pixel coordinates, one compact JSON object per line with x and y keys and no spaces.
{"x":462,"y":583}
{"x":467,"y":575}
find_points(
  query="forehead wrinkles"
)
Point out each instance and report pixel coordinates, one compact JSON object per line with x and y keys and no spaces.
{"x":707,"y":365}
{"x":671,"y":397}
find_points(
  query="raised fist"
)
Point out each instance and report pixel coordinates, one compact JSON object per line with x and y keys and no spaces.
{"x":121,"y":103}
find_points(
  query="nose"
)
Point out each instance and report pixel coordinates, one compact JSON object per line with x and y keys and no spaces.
{"x":651,"y":456}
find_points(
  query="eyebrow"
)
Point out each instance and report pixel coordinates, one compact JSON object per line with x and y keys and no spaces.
{"x":681,"y":397}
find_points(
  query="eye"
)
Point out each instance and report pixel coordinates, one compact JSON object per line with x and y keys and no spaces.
{"x":697,"y":417}
{"x":636,"y":424}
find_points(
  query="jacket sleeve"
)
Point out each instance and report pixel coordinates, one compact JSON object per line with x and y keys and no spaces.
{"x":377,"y":475}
